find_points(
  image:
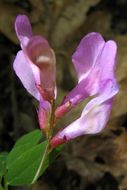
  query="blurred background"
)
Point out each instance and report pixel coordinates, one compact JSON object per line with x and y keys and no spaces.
{"x":89,"y":162}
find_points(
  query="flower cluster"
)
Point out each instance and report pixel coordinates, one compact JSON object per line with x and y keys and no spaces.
{"x":94,"y":62}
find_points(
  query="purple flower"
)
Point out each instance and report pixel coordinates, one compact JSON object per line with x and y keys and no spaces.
{"x":35,"y":66}
{"x":94,"y":62}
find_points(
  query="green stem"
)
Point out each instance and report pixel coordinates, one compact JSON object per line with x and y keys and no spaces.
{"x":42,"y":162}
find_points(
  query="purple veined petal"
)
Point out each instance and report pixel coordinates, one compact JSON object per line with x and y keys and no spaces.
{"x":93,"y":118}
{"x":23,"y":29}
{"x":24,"y":72}
{"x":87,"y":53}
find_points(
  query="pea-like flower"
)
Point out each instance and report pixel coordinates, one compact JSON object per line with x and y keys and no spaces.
{"x":94,"y":62}
{"x":35,"y":65}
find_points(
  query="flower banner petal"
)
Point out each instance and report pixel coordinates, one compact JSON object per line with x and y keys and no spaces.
{"x":23,"y":29}
{"x":107,"y":60}
{"x":87,"y":53}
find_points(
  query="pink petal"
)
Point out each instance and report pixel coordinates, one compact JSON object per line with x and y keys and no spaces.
{"x":23,"y":29}
{"x":24,"y":72}
{"x":43,"y":113}
{"x":93,"y":118}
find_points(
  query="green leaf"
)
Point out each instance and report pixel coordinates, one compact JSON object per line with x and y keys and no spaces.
{"x":25,"y":143}
{"x":23,"y":169}
{"x":24,"y":160}
{"x":31,"y":138}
